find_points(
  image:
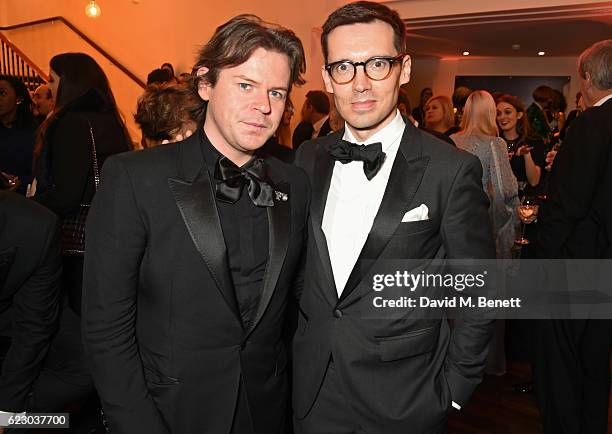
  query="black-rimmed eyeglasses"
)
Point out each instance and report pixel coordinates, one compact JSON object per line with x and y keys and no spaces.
{"x":376,"y":68}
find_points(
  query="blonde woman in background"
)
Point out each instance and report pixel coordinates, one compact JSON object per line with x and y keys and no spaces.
{"x":479,"y":136}
{"x":439,"y":115}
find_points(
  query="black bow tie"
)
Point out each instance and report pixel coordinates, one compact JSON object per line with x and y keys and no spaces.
{"x":372,"y":155}
{"x":231,"y":179}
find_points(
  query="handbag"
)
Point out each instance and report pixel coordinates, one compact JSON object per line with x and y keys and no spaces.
{"x":73,"y":225}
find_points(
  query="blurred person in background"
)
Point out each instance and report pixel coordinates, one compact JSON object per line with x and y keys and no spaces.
{"x":572,"y":365}
{"x":526,"y":151}
{"x":17,"y":132}
{"x":460,"y":96}
{"x":439,"y":116}
{"x":418,"y":113}
{"x":542,"y":97}
{"x":314,"y":113}
{"x":44,"y":102}
{"x":479,"y":136}
{"x":30,"y":276}
{"x":85,"y":112}
{"x":166,"y":113}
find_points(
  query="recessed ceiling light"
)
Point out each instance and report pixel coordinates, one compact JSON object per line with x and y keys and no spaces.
{"x":466,"y":53}
{"x":541,"y":53}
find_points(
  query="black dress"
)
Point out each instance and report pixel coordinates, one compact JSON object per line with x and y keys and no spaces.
{"x":538,"y":153}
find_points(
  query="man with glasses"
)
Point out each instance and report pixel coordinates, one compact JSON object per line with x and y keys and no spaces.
{"x":382,"y":190}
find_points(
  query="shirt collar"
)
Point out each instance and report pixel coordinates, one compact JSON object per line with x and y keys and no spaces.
{"x":387,"y":136}
{"x":603,"y":100}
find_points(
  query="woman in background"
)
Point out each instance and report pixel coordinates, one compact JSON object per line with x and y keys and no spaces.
{"x":16,"y":132}
{"x":526,"y":152}
{"x":439,"y":115}
{"x":84,"y":107}
{"x":478,"y":136}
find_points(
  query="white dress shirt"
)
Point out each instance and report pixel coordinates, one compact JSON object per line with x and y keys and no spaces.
{"x":603,"y":100}
{"x":353,"y":201}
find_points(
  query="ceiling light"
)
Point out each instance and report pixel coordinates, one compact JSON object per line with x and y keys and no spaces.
{"x":466,"y":53}
{"x":541,"y":53}
{"x":92,"y":10}
{"x":516,"y":47}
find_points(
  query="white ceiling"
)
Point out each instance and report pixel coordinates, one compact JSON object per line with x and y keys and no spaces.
{"x":560,"y":32}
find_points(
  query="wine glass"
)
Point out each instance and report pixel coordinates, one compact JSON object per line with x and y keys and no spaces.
{"x":528,"y":213}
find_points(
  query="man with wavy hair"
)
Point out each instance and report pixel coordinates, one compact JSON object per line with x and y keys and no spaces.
{"x":192,"y":250}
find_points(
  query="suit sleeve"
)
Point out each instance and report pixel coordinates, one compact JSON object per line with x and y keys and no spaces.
{"x":116,"y":243}
{"x":575,"y":181}
{"x":466,"y":233}
{"x":298,"y":284}
{"x":36,"y":306}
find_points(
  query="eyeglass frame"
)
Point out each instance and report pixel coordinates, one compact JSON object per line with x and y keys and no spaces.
{"x":392,"y":62}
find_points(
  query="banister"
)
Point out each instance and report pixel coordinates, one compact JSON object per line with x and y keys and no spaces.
{"x":24,"y":57}
{"x":84,"y":37}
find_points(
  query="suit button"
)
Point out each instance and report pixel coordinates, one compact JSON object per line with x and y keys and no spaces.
{"x":338,"y":313}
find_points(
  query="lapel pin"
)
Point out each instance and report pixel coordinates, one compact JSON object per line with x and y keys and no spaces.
{"x":279,"y":195}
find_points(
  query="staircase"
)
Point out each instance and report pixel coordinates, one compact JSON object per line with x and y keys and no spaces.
{"x":13,"y":62}
{"x":43,"y":39}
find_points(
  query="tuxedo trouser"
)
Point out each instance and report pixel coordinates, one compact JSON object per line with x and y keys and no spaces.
{"x":330,"y":413}
{"x":571,"y":370}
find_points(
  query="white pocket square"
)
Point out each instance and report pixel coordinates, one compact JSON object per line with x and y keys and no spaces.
{"x":417,"y":214}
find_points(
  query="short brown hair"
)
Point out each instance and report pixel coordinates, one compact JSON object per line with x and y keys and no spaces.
{"x":318,"y":100}
{"x":542,"y":94}
{"x":235,"y":41}
{"x":365,"y":12}
{"x":163,"y":109}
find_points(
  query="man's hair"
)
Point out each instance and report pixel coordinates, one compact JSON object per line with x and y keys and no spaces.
{"x":479,"y":115}
{"x":167,"y":65}
{"x":159,"y":76}
{"x":597,"y":61}
{"x":318,"y":100}
{"x":163,"y":109}
{"x":235,"y":41}
{"x":542,"y":94}
{"x":365,"y":12}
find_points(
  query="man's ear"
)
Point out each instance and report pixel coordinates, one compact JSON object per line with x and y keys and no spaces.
{"x":204,"y":86}
{"x":19,"y":101}
{"x":406,"y":69}
{"x":327,"y":80}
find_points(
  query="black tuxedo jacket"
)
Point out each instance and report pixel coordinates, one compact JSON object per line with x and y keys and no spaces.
{"x":576,"y":221}
{"x":161,"y":325}
{"x":30,"y":273}
{"x":399,"y":374}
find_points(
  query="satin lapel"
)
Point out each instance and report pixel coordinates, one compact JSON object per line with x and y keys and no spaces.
{"x":279,"y":224}
{"x":195,"y":199}
{"x":321,"y":179}
{"x":404,"y":180}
